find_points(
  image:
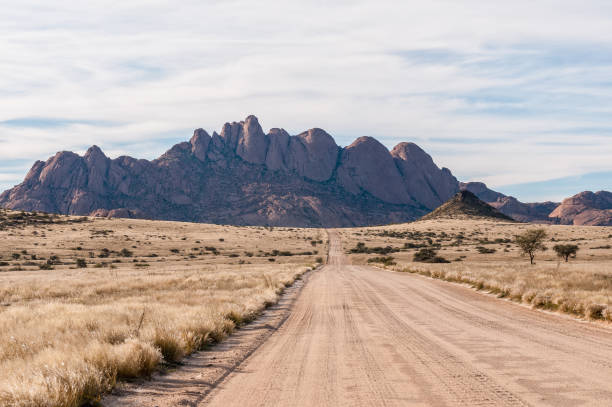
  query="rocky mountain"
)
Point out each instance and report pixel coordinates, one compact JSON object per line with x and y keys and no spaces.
{"x":586,"y":208}
{"x":464,"y":205}
{"x":537,"y":212}
{"x":244,"y":176}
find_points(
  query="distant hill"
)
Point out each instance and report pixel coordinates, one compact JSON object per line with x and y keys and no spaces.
{"x":244,"y":176}
{"x":586,"y":208}
{"x":466,"y":205}
{"x":523,"y":212}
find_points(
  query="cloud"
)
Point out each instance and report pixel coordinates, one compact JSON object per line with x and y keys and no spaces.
{"x":48,"y":122}
{"x":506,"y":92}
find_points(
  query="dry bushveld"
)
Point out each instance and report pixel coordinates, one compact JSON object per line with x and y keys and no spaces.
{"x":87,"y":302}
{"x":483,"y":254}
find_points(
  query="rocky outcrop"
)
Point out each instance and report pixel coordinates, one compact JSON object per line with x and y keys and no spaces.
{"x":586,"y":208}
{"x":367,"y":166}
{"x":313,"y":154}
{"x":252,"y":142}
{"x":199,"y":144}
{"x":426,"y":182}
{"x":244,"y":176}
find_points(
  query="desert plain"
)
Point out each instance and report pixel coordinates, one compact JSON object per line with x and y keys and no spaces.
{"x":94,"y":309}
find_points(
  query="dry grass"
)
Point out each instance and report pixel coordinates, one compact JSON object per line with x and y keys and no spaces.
{"x":67,"y":334}
{"x":582,"y":287}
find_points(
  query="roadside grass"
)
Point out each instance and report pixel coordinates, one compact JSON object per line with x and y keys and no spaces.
{"x":581,"y":289}
{"x":484,"y":256}
{"x":68,"y":335}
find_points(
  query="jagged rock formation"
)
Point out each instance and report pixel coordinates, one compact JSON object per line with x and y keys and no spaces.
{"x":466,"y":205}
{"x":586,"y":208}
{"x":537,"y":212}
{"x":244,"y":176}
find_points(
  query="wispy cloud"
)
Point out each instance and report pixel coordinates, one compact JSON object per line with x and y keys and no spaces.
{"x":49,"y":122}
{"x":507,"y":92}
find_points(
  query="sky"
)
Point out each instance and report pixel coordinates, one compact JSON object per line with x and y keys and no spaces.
{"x":517,"y":94}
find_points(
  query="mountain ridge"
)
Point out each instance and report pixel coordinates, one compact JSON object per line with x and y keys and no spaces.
{"x":244,"y":176}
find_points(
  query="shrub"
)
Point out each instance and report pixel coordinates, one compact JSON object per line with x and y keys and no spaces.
{"x":81,"y":263}
{"x":428,"y":256}
{"x":385,"y":260}
{"x":319,"y":260}
{"x":484,"y":250}
{"x":170,"y":344}
{"x":126,"y":253}
{"x":362,"y":248}
{"x":595,"y":311}
{"x":53,"y":260}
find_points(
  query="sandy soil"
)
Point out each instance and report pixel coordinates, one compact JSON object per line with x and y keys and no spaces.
{"x":361,"y":336}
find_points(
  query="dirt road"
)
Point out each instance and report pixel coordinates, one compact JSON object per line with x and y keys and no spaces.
{"x":359,"y":336}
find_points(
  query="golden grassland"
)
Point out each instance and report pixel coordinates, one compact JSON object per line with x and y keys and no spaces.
{"x":151,"y":293}
{"x":483,"y":255}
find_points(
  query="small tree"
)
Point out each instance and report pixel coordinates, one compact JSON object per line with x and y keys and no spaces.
{"x":531,"y":242}
{"x":566,"y":251}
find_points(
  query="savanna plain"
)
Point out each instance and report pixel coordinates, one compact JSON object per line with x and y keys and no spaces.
{"x":483,"y":254}
{"x":88,"y":302}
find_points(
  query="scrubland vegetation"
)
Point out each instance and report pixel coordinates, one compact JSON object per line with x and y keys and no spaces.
{"x":487,"y":256}
{"x":84,"y":304}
